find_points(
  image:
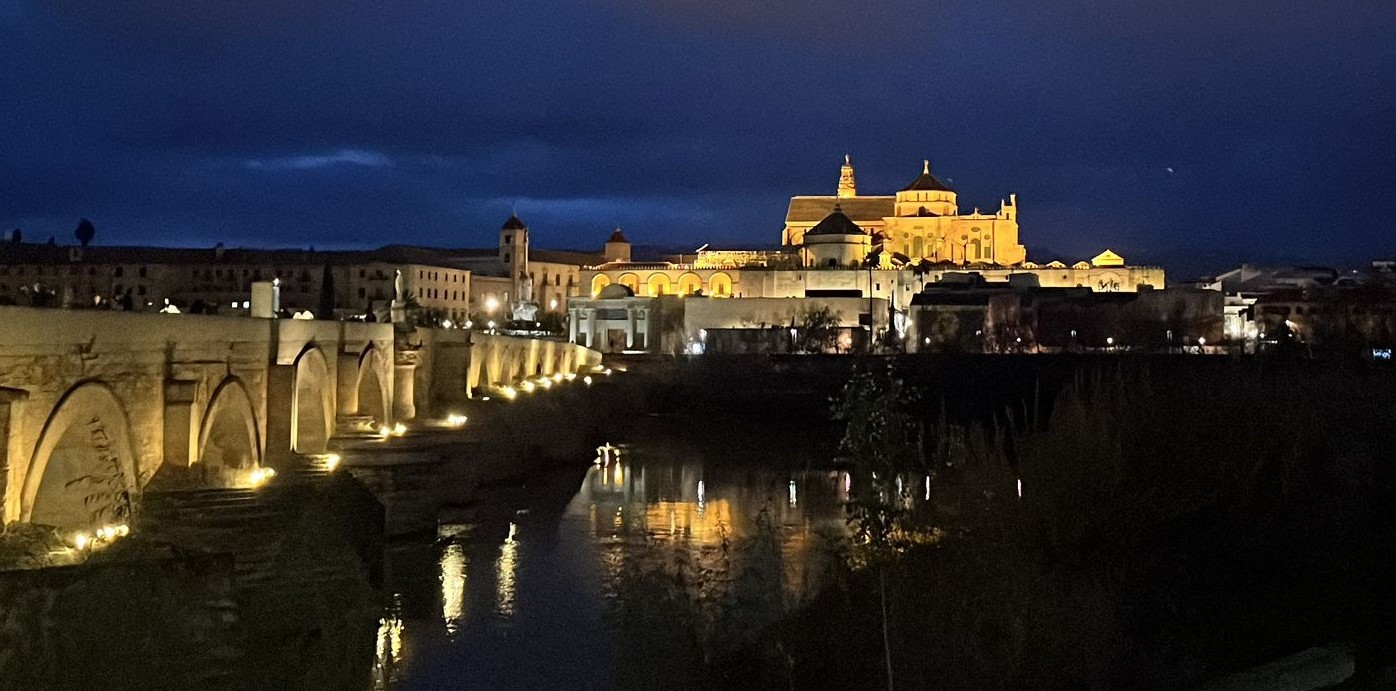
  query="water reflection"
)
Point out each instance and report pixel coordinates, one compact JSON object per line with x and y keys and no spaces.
{"x":388,"y":653}
{"x":660,"y":511}
{"x":505,"y":568}
{"x":453,"y":575}
{"x":730,"y":526}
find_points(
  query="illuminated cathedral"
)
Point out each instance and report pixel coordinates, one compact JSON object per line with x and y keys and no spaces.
{"x":921,"y":222}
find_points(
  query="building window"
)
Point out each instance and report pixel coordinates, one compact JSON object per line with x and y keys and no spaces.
{"x":421,"y":292}
{"x":506,"y":239}
{"x":140,"y":290}
{"x":362,"y":292}
{"x":119,"y":271}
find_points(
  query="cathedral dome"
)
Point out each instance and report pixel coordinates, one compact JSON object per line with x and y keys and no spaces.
{"x":925,"y":182}
{"x":514,"y":223}
{"x":836,"y":223}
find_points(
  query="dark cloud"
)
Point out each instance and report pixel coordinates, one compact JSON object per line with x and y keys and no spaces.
{"x":351,"y":121}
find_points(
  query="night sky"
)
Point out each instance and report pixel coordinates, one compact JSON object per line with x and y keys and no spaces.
{"x":1188,"y":133}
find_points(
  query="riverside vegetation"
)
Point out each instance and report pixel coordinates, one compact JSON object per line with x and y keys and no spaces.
{"x":1132,"y":530}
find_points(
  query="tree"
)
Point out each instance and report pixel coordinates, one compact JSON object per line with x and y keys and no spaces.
{"x":817,"y":328}
{"x":85,"y":232}
{"x":882,"y":438}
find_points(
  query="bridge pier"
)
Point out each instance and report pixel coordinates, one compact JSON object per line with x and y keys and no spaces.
{"x":347,"y":385}
{"x":8,"y":397}
{"x":280,"y":410}
{"x":404,"y":385}
{"x":181,"y":434}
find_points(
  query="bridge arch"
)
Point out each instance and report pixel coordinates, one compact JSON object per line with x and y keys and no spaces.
{"x":373,"y":385}
{"x":229,"y":438}
{"x":84,"y":462}
{"x":312,"y":408}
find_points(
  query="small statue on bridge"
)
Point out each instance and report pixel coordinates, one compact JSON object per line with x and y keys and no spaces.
{"x":398,"y":310}
{"x":526,"y":309}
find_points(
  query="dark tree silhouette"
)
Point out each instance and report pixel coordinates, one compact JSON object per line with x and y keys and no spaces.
{"x":326,"y":310}
{"x":85,"y":232}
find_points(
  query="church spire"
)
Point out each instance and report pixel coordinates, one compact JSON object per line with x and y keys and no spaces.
{"x":848,"y":184}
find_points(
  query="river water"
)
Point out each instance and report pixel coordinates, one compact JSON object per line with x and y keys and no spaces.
{"x":534,"y":593}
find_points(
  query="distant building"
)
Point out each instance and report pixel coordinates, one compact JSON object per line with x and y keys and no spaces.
{"x":220,"y":280}
{"x":449,"y":284}
{"x":516,"y":273}
{"x":1004,"y":318}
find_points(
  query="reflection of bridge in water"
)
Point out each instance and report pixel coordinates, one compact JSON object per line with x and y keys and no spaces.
{"x":92,"y":400}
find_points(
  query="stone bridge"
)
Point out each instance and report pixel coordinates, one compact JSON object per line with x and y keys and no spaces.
{"x":95,"y":403}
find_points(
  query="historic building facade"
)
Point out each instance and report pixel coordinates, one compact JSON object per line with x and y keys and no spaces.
{"x":922,"y":221}
{"x":888,"y":247}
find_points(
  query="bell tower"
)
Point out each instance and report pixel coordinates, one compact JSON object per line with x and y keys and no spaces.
{"x":848,"y":184}
{"x":513,"y":255}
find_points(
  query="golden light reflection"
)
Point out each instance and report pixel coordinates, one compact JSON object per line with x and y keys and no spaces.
{"x":505,"y":568}
{"x":388,"y":655}
{"x":685,"y":519}
{"x":671,"y":507}
{"x":453,"y":587}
